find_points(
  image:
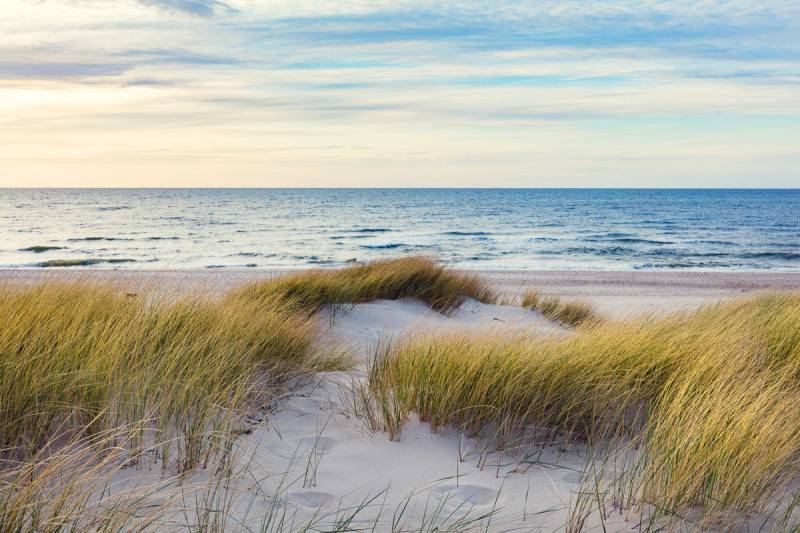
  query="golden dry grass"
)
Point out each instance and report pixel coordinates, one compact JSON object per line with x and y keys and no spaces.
{"x":66,"y":490}
{"x":410,"y":277}
{"x":567,"y":313}
{"x":93,"y":379}
{"x":84,"y":355}
{"x":708,"y":401}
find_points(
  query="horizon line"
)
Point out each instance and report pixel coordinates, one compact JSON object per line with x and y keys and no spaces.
{"x":412,"y":188}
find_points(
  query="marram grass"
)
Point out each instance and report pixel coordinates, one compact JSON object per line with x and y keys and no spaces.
{"x":72,"y":489}
{"x":410,"y":277}
{"x":78,"y":354}
{"x":707,"y":402}
{"x":567,"y":313}
{"x":83,"y":355}
{"x":93,"y":379}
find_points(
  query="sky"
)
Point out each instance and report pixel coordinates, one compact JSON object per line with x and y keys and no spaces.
{"x":400,"y":93}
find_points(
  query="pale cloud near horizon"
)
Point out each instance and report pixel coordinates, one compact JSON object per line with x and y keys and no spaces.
{"x":402,"y":93}
{"x":201,"y":8}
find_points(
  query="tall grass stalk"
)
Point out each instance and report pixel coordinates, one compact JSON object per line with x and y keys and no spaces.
{"x":71,"y":488}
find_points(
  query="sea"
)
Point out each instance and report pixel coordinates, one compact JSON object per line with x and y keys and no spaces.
{"x":608,"y":229}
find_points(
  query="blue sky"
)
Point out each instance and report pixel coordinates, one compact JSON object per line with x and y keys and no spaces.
{"x":401,"y":93}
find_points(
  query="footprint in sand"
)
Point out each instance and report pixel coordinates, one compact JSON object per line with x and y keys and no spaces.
{"x":469,"y":495}
{"x":309,"y":498}
{"x":572,"y":477}
{"x":304,"y":405}
{"x":317,"y":444}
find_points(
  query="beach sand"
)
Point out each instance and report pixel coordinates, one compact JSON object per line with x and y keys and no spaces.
{"x":614,"y":293}
{"x":320,"y":462}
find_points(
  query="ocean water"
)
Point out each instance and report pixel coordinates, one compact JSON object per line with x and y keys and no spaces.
{"x":510,"y":228}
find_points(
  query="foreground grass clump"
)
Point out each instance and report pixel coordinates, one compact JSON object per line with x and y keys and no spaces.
{"x":63,"y":490}
{"x":567,"y":313}
{"x":411,"y":277}
{"x":707,"y":402}
{"x":83,"y":357}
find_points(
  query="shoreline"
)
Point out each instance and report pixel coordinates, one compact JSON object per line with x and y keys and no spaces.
{"x":613,"y":293}
{"x":717,"y":275}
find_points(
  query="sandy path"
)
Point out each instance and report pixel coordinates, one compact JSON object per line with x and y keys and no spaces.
{"x":314,"y":426}
{"x":313,"y":460}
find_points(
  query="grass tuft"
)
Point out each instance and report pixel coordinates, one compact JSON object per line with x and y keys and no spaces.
{"x":79,"y":355}
{"x":706,"y":402}
{"x":410,"y":277}
{"x":567,"y":313}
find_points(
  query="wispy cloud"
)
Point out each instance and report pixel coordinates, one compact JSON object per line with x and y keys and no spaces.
{"x":11,"y":70}
{"x":172,"y":56}
{"x":200,"y":8}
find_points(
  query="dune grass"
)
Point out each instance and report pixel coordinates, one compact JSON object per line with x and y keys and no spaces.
{"x":93,"y":379}
{"x":707,"y":402}
{"x":566,"y":313}
{"x":78,"y":357}
{"x":71,"y":489}
{"x":410,"y":277}
{"x":85,"y":357}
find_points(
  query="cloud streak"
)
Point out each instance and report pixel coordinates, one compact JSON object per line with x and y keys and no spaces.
{"x":200,"y":8}
{"x":18,"y":70}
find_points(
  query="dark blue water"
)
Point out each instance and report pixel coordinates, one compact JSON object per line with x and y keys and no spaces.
{"x":513,"y":228}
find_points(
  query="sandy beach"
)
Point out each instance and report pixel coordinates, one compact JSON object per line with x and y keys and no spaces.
{"x":616,"y":293}
{"x":311,"y":451}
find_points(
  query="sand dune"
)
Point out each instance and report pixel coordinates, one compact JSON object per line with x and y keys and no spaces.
{"x":313,"y":455}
